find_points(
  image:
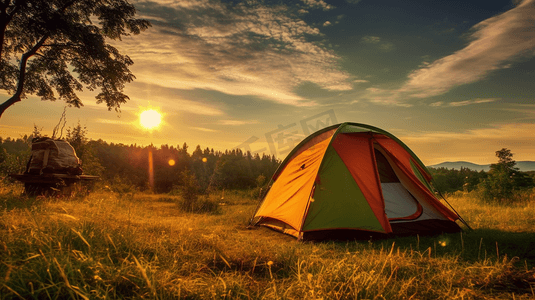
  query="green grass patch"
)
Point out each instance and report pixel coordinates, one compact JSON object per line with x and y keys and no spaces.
{"x":105,"y":246}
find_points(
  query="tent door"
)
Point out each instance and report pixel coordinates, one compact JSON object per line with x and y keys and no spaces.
{"x":400,"y":204}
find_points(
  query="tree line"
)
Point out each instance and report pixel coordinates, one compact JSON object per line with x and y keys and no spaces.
{"x":177,"y":167}
{"x":504,"y":182}
{"x":127,"y":165}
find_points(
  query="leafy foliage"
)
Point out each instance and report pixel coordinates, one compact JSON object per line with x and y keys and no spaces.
{"x":504,"y":181}
{"x":77,"y":137}
{"x":14,"y":155}
{"x":190,"y":191}
{"x":451,"y":180}
{"x":45,"y":43}
{"x":127,"y":165}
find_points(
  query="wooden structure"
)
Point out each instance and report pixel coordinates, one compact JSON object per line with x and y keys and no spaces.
{"x":52,"y":184}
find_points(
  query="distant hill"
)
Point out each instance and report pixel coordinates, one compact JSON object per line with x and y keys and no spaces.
{"x":526,"y":165}
{"x":522,"y":165}
{"x":458,"y":164}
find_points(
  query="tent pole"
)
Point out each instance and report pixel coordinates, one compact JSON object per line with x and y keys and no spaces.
{"x":460,"y":218}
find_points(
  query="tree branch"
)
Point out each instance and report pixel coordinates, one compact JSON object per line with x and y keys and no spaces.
{"x":22,"y":74}
{"x":5,"y":18}
{"x":24,"y":58}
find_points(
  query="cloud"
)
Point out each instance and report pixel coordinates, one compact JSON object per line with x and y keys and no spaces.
{"x":476,"y":145}
{"x":383,"y":96}
{"x":237,"y":49}
{"x":370,"y":39}
{"x":525,"y":112}
{"x":327,"y":23}
{"x":317,"y":4}
{"x":204,"y":129}
{"x":475,"y":101}
{"x":377,"y":42}
{"x":386,"y":47}
{"x":112,"y":121}
{"x":238,"y":122}
{"x":188,"y":106}
{"x":494,"y":42}
{"x":464,"y":103}
{"x":167,"y":100}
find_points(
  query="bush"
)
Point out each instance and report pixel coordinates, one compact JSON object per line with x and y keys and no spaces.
{"x":121,"y":187}
{"x":189,"y":191}
{"x":201,"y":205}
{"x":190,"y":200}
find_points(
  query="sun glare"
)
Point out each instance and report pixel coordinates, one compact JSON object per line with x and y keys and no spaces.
{"x":150,"y":119}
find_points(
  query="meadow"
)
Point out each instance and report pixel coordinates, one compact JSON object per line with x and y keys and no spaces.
{"x":108,"y":245}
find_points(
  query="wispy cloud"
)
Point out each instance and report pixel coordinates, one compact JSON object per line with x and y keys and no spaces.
{"x":464,"y":103}
{"x":238,"y":122}
{"x":370,"y":39}
{"x":166,"y":100}
{"x":204,"y":129}
{"x":494,"y":41}
{"x":476,"y":145}
{"x":317,"y":4}
{"x":112,"y":121}
{"x":525,"y":112}
{"x":237,"y":49}
{"x":378,"y":43}
{"x":497,"y":132}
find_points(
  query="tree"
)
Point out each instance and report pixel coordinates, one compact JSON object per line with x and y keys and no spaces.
{"x":190,"y":191}
{"x":504,"y":180}
{"x":44,"y":43}
{"x":77,"y":137}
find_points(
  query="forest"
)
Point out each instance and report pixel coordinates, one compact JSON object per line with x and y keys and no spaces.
{"x":125,"y":168}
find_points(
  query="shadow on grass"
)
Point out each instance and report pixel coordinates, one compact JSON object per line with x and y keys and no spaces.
{"x":480,"y":245}
{"x":12,"y":201}
{"x":500,"y":243}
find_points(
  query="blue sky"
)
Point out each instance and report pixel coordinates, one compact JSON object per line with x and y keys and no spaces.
{"x":452,"y":79}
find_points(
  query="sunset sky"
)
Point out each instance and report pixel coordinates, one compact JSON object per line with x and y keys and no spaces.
{"x":454,"y":80}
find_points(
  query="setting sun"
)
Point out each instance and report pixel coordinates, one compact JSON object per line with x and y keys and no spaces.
{"x":150,"y":119}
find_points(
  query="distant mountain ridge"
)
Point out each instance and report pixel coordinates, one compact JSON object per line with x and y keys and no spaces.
{"x":524,"y":166}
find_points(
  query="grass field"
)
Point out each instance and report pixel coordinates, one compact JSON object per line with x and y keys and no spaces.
{"x":142,"y":246}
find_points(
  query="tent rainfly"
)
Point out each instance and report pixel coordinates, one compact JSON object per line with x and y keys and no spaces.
{"x":353,"y":181}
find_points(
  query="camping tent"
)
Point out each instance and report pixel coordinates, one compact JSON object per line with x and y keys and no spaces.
{"x":353,"y":181}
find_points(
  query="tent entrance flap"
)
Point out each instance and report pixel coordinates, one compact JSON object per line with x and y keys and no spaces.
{"x":399,"y":203}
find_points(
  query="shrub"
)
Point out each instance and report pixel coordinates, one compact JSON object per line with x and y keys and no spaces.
{"x":201,"y":205}
{"x":189,"y":192}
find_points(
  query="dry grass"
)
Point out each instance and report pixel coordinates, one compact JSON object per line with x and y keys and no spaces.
{"x":103,"y":246}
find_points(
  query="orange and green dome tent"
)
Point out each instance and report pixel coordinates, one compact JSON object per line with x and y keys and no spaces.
{"x":353,"y":181}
